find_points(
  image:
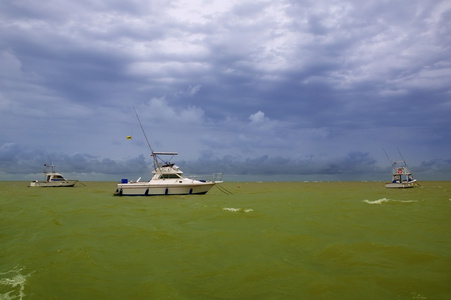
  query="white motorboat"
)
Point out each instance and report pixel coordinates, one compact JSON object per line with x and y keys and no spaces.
{"x":53,"y":179}
{"x":401,"y":177}
{"x":167,"y":179}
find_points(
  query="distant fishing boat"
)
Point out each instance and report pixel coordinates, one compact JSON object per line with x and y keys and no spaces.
{"x":401,"y":175}
{"x":53,"y":179}
{"x":167,"y":179}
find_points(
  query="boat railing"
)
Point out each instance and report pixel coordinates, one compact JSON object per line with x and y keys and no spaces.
{"x":217,"y":176}
{"x":211,"y":177}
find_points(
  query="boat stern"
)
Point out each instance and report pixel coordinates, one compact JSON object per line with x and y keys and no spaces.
{"x":34,"y":183}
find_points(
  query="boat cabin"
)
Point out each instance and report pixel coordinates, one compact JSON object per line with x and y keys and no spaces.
{"x":402,"y":174}
{"x":55,"y":177}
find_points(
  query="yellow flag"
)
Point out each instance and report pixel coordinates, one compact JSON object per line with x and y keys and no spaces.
{"x":129,"y":137}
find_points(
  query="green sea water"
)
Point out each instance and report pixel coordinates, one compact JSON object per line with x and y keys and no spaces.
{"x":269,"y":240}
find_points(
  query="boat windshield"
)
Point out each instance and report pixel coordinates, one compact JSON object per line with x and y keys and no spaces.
{"x":57,"y":178}
{"x":169,"y":176}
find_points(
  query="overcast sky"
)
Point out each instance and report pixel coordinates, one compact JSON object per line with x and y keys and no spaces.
{"x":294,"y":89}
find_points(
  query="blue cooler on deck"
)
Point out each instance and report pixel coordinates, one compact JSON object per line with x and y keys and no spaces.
{"x":124,"y":181}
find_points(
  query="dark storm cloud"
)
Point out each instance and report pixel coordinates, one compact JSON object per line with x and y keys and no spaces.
{"x":256,"y":83}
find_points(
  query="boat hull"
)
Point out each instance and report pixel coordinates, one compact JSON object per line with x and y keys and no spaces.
{"x":65,"y":183}
{"x":151,"y":189}
{"x":400,"y":185}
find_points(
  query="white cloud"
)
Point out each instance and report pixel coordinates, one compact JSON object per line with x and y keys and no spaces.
{"x":193,"y":90}
{"x":159,"y":111}
{"x":258,"y":117}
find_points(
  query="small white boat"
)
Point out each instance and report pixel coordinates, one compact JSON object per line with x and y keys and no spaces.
{"x":167,"y":179}
{"x":401,"y":177}
{"x":53,"y":179}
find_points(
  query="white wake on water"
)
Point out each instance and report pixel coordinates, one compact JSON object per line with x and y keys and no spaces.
{"x":12,"y":281}
{"x":385,"y":200}
{"x":246,"y":210}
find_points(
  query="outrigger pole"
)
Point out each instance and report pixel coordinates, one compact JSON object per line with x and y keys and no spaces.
{"x":51,"y":166}
{"x":153,"y":154}
{"x":142,"y":128}
{"x":391,"y":162}
{"x":402,"y":156}
{"x":155,"y":162}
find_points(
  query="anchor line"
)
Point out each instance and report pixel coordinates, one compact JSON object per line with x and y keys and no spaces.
{"x":223,"y":189}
